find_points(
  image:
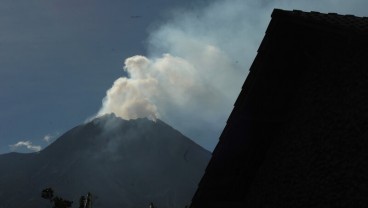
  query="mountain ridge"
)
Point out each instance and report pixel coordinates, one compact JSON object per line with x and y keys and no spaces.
{"x":135,"y":161}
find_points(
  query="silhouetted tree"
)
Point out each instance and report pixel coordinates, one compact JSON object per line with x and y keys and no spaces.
{"x":86,"y":202}
{"x":89,"y":200}
{"x":82,"y":202}
{"x":48,"y":193}
{"x":58,"y":202}
{"x":61,"y":203}
{"x":151,"y":205}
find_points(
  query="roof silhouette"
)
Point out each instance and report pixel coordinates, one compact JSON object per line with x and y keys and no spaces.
{"x":298,"y":133}
{"x":345,"y":22}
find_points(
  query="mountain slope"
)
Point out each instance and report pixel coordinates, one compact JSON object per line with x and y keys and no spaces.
{"x":122,"y":163}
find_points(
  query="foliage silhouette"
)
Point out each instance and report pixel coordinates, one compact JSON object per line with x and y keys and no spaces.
{"x":57,"y":202}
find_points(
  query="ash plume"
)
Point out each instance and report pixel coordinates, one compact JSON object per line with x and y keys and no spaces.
{"x":196,"y":65}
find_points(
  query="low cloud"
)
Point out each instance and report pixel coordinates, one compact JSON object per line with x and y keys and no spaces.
{"x":25,"y":146}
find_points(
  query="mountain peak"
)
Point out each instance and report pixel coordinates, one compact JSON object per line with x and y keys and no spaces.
{"x":110,"y":120}
{"x":135,"y":161}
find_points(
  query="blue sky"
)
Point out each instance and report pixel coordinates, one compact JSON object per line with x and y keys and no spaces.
{"x":58,"y":58}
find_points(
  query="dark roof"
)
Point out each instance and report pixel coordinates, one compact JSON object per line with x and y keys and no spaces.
{"x":297,"y":136}
{"x":350,"y":22}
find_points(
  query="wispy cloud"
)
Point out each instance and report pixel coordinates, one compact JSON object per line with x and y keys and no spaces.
{"x":47,"y":138}
{"x":50,"y":137}
{"x":25,"y":145}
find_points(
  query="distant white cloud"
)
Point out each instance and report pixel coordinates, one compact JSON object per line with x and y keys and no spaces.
{"x":25,"y":146}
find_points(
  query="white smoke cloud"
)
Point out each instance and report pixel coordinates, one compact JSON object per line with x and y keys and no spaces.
{"x":190,"y":79}
{"x":196,"y":65}
{"x":25,"y":146}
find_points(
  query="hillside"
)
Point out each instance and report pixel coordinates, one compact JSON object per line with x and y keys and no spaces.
{"x":122,"y":163}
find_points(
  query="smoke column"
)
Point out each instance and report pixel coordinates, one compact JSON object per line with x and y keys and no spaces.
{"x":195,"y":67}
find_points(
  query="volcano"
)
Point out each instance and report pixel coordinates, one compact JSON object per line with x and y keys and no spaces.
{"x":122,"y":163}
